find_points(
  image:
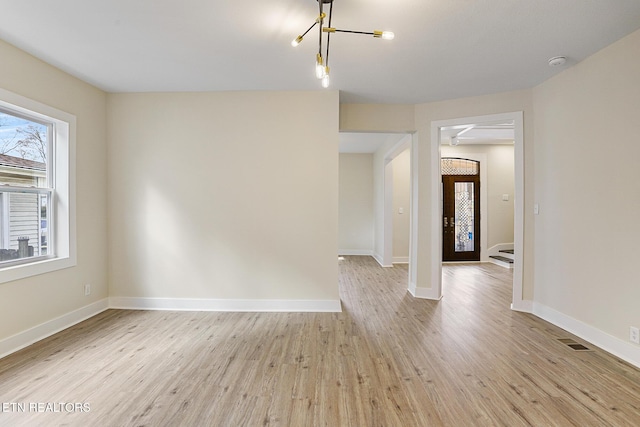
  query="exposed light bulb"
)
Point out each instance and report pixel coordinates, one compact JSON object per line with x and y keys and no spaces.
{"x":319,"y":67}
{"x":295,"y":42}
{"x":387,"y":35}
{"x":326,"y":80}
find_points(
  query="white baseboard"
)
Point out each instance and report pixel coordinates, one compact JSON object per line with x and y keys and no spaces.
{"x":525,"y":306}
{"x":378,"y":259}
{"x":624,"y":350}
{"x":400,"y":260}
{"x":424,"y":293}
{"x":23,"y":339}
{"x":258,"y":305}
{"x":357,"y":252}
{"x":495,"y":249}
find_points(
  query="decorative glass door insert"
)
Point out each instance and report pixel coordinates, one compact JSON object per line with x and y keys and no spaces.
{"x":461,"y":210}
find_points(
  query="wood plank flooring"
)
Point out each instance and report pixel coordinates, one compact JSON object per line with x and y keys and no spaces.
{"x":387,"y":360}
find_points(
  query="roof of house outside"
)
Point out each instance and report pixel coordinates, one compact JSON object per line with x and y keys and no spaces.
{"x":6,"y":160}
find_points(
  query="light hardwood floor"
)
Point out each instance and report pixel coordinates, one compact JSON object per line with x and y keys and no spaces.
{"x":387,"y":360}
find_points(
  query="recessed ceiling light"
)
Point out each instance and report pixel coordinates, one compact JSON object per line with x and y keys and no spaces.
{"x":557,"y":61}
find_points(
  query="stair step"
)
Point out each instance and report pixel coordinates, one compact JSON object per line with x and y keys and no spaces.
{"x":502,"y":258}
{"x":507,"y":251}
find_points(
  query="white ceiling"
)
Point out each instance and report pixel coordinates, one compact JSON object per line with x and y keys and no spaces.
{"x":479,"y":133}
{"x":443,"y":49}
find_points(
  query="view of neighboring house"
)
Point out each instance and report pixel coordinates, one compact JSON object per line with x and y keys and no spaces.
{"x":22,"y":215}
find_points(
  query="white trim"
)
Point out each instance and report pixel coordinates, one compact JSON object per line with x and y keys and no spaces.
{"x":502,"y":264}
{"x":424,"y":293}
{"x":44,"y":330}
{"x":518,"y":213}
{"x":358,"y":252}
{"x":379,"y":260}
{"x":236,"y":305}
{"x":525,"y":306}
{"x":495,"y":249}
{"x":624,"y":350}
{"x":401,"y":260}
{"x":26,"y":338}
{"x":436,"y":209}
{"x":436,"y":198}
{"x":413,"y":218}
{"x":63,"y":214}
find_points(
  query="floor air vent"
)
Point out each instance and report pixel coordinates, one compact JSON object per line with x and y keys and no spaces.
{"x":574,"y":345}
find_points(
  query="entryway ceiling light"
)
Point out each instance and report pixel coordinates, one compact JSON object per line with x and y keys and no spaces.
{"x":322,"y":63}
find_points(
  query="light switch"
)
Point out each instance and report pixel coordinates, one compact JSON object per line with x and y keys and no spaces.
{"x":536,"y":209}
{"x":400,"y":210}
{"x":505,"y":197}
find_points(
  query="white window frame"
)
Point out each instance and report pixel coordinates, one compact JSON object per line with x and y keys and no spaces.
{"x":62,"y":221}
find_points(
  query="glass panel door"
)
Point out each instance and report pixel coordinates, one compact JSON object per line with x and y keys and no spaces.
{"x":460,"y":218}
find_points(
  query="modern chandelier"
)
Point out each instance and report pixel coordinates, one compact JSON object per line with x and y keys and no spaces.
{"x":322,"y":63}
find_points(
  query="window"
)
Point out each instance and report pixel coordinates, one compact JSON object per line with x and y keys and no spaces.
{"x":27,"y":188}
{"x":37,"y":230}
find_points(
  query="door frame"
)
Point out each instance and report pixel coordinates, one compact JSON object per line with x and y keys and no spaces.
{"x":436,"y":204}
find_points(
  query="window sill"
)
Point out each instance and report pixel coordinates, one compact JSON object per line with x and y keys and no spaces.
{"x":22,"y":271}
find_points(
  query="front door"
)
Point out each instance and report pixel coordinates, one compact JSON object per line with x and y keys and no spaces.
{"x":461,"y":217}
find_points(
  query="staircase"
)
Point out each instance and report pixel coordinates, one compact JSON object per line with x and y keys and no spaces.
{"x":504,"y":258}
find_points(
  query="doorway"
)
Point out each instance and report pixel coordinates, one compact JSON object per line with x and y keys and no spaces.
{"x":459,"y":127}
{"x":460,"y":210}
{"x":366,"y":225}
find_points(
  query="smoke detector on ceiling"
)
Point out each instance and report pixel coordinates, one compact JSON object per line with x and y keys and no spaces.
{"x":556,"y":61}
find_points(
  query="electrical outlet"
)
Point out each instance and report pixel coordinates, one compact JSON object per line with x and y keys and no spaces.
{"x":634,"y":335}
{"x":87,"y":289}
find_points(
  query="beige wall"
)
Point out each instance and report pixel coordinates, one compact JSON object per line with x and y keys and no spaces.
{"x":355,"y":214}
{"x":401,"y":199}
{"x":377,"y":117}
{"x":229,"y":195}
{"x":587,"y":162}
{"x":500,"y":180}
{"x":35,"y":300}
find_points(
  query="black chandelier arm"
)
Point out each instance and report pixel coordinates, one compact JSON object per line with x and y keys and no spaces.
{"x":329,"y":34}
{"x":335,"y":30}
{"x":321,"y":17}
{"x":309,"y":29}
